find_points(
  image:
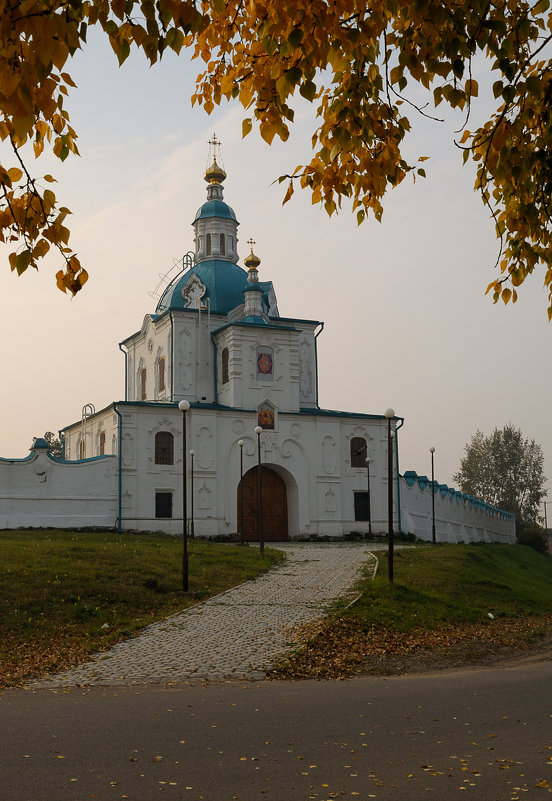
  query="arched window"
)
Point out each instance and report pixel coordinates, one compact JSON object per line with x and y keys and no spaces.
{"x":222,"y":249}
{"x":161,"y":374}
{"x":208,"y":244}
{"x":164,"y":448}
{"x":359,"y":452}
{"x":143,"y":384}
{"x":224,"y":365}
{"x":102,"y":443}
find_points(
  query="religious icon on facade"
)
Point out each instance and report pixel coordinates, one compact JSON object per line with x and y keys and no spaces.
{"x":265,"y":417}
{"x":264,"y":363}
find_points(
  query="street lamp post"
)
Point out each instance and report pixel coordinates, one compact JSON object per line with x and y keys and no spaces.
{"x":390,"y":414}
{"x":184,"y":407}
{"x":241,"y":443}
{"x":192,"y":531}
{"x":369,"y":504}
{"x":258,"y":432}
{"x":433,"y":537}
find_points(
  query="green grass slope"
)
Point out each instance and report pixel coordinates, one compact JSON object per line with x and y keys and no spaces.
{"x":65,"y":594}
{"x":449,"y":605}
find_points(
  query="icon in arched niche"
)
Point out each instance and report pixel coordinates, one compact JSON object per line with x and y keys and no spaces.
{"x":266,"y":417}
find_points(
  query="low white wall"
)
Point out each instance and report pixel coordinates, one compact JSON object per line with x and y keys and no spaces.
{"x":458,"y":518}
{"x":41,"y":491}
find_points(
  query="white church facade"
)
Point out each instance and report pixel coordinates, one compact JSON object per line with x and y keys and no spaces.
{"x":217,"y":340}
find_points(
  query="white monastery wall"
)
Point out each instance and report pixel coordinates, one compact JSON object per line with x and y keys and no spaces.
{"x":310,"y":452}
{"x":458,"y":517}
{"x":40,"y":491}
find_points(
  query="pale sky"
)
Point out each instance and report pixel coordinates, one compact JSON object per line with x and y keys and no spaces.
{"x":407,"y":323}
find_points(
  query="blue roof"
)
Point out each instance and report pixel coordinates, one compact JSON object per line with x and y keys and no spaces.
{"x":223,"y":280}
{"x":215,"y":208}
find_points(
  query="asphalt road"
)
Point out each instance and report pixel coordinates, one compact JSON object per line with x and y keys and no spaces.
{"x":483,"y":734}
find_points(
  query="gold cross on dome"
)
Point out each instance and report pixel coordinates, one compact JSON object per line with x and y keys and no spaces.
{"x":251,"y":242}
{"x":214,"y":144}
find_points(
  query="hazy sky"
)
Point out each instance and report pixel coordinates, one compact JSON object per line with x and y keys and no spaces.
{"x":407,"y":323}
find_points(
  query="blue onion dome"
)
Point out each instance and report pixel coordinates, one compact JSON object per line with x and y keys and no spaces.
{"x":215,"y":208}
{"x":218,"y":281}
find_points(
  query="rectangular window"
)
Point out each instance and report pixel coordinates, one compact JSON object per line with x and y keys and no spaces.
{"x":358,"y":452}
{"x":143,"y":384}
{"x":161,"y":374}
{"x":361,"y":506}
{"x":163,"y":504}
{"x":164,"y":448}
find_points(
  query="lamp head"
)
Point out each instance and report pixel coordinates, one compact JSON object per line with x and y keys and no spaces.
{"x":389,"y":413}
{"x":184,"y":406}
{"x":241,"y":443}
{"x":432,"y":449}
{"x":258,"y":430}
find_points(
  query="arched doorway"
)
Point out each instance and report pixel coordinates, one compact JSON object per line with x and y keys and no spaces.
{"x":274,"y":506}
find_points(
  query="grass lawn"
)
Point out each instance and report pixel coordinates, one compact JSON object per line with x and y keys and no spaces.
{"x":65,"y":594}
{"x":448,"y":605}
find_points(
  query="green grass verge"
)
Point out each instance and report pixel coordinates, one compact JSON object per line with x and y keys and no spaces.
{"x":449,"y":605}
{"x":59,"y":589}
{"x":448,"y":584}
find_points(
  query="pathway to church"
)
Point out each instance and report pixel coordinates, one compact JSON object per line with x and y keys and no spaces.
{"x":240,"y":633}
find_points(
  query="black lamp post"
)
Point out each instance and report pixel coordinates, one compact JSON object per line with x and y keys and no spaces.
{"x":369,"y":504}
{"x":241,"y":444}
{"x":192,"y":531}
{"x":433,"y":537}
{"x":258,"y":432}
{"x":184,"y":407}
{"x":390,"y":414}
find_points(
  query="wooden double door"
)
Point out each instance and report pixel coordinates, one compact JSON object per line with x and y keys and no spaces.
{"x":273,"y":506}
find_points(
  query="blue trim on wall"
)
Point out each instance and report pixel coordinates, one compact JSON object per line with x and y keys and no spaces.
{"x":411,"y":478}
{"x":120,"y":469}
{"x":316,"y":361}
{"x":171,"y":318}
{"x":121,"y":346}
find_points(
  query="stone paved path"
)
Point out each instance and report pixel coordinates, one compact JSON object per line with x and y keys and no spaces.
{"x":240,"y":633}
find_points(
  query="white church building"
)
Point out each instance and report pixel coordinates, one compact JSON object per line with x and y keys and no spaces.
{"x":218,"y":341}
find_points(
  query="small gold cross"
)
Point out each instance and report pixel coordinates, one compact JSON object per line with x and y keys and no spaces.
{"x":214,"y":143}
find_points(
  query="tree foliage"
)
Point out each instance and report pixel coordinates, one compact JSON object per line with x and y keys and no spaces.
{"x":54,"y":444}
{"x":358,"y":62}
{"x":506,"y":470}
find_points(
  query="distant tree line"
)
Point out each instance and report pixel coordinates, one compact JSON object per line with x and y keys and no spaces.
{"x":505,"y":468}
